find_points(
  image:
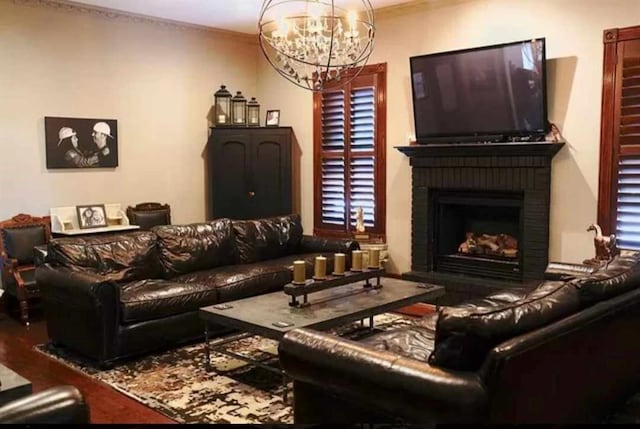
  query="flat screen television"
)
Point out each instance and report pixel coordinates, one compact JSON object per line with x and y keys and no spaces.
{"x":491,"y":93}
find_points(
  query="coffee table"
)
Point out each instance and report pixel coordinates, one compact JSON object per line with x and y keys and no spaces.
{"x":271,"y":316}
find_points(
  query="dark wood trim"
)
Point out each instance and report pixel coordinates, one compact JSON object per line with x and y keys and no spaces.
{"x":376,"y":74}
{"x":605,"y":187}
{"x":485,"y":149}
{"x":610,"y":150}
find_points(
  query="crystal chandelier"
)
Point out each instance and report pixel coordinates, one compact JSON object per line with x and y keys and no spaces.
{"x":316,"y":42}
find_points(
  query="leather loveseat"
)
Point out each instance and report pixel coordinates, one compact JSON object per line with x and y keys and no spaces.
{"x":109,"y":297}
{"x":565,"y":352}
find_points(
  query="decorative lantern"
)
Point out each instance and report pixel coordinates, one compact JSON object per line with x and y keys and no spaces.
{"x":239,"y":110}
{"x":253,"y":113}
{"x":222,"y":107}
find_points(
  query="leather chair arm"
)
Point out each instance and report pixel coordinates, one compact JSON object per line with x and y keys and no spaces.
{"x":382,"y":379}
{"x":312,"y":244}
{"x":74,"y":287}
{"x":61,"y":404}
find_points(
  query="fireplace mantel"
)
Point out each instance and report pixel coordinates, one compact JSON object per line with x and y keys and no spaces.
{"x":548,"y":149}
{"x":511,"y":168}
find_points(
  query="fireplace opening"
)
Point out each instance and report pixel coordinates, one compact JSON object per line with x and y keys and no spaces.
{"x":477,"y":233}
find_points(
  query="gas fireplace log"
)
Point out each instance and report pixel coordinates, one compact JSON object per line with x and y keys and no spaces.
{"x":486,"y":244}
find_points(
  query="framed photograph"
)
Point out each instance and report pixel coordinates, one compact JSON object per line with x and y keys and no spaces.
{"x":273,"y":118}
{"x":91,"y":216}
{"x":81,"y":143}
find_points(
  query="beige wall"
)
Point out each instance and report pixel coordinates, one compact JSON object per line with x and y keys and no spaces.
{"x":157,"y":80}
{"x":573,"y":31}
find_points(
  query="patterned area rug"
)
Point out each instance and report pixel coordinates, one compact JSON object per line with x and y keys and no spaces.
{"x":177,"y":384}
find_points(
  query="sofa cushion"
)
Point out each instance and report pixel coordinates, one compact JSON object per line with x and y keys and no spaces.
{"x":415,"y":341}
{"x":261,"y":239}
{"x":19,"y":242}
{"x":465,"y":333}
{"x":153,"y":299}
{"x":199,"y":246}
{"x":120,"y":257}
{"x":621,"y":274}
{"x":241,"y":281}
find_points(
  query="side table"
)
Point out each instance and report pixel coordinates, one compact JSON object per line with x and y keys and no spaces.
{"x":12,"y":385}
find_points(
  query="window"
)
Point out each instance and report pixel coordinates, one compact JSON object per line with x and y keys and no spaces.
{"x":619,"y":193}
{"x":349,"y":154}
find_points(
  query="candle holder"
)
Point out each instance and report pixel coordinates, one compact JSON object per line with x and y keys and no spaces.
{"x":356,"y":261}
{"x":374,"y":258}
{"x":320,"y":268}
{"x":299,"y":273}
{"x":338,"y":264}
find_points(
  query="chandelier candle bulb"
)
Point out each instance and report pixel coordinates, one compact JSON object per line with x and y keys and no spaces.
{"x":338,"y":264}
{"x":320,"y":268}
{"x":317,"y":43}
{"x":374,"y":258}
{"x":299,"y":272}
{"x":356,"y":260}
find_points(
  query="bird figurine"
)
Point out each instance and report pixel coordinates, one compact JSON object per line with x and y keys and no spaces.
{"x":605,"y":246}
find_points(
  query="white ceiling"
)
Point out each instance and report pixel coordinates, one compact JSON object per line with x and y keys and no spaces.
{"x":235,"y":15}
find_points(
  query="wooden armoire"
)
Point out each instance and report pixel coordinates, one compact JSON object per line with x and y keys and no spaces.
{"x":253,"y":172}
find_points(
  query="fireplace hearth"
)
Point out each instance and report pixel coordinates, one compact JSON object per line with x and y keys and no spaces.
{"x":465,"y":193}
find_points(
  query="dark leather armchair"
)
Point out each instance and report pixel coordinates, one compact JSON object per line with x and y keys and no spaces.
{"x":18,"y":236}
{"x":60,"y":404}
{"x":148,"y":215}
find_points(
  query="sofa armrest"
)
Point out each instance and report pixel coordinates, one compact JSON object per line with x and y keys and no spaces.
{"x":312,"y":244}
{"x":75,"y":287}
{"x":61,"y":404}
{"x":81,"y":309}
{"x":382,"y":380}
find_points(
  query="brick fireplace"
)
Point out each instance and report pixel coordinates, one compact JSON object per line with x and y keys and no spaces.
{"x":492,"y":190}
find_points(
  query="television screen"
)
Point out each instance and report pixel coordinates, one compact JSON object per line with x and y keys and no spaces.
{"x":489,"y":92}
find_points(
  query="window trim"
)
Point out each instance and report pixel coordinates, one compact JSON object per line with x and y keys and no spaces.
{"x":379,"y":73}
{"x":609,"y":144}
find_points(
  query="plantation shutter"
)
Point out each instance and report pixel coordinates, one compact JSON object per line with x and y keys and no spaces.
{"x":349,"y":154}
{"x":333,"y":161}
{"x":619,"y":195}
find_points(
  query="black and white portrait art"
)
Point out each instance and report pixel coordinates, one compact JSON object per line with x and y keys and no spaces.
{"x":81,"y":143}
{"x":92,"y":216}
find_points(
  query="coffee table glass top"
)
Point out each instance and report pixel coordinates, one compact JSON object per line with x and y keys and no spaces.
{"x":271,"y":316}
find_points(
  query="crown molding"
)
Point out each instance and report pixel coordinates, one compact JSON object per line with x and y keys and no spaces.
{"x":66,"y":6}
{"x":416,"y":6}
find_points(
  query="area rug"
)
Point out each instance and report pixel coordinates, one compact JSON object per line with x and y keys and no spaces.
{"x":177,"y":384}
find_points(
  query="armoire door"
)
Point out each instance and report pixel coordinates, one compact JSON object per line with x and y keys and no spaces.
{"x":271,"y":173}
{"x":230,"y":164}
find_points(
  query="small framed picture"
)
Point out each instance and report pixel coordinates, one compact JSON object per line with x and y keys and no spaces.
{"x":91,"y":216}
{"x":273,"y":118}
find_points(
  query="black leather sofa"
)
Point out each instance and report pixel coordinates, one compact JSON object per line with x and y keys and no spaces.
{"x":56,"y":405}
{"x":566,"y":352}
{"x":109,"y":297}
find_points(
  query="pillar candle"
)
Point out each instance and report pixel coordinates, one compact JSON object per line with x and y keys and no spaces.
{"x":374,"y":258}
{"x":356,"y":260}
{"x":299,"y":272}
{"x":338,"y":263}
{"x":320,"y":269}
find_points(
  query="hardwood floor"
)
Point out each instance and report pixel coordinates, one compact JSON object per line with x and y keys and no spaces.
{"x":106,"y":404}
